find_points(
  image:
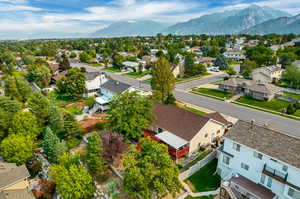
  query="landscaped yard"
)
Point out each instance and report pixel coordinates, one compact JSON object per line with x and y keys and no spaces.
{"x":137,"y":74}
{"x":205,"y":179}
{"x":274,"y":105}
{"x":212,"y":92}
{"x":112,"y":69}
{"x":295,"y":96}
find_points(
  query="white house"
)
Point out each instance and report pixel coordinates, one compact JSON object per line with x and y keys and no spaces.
{"x":130,"y":66}
{"x":234,"y":54}
{"x":256,"y":162}
{"x":93,"y":82}
{"x":267,"y":74}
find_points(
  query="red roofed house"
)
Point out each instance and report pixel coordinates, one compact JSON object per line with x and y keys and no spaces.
{"x":185,"y":132}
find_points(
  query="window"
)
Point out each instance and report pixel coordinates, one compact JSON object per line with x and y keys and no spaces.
{"x":245,"y":166}
{"x":269,"y":183}
{"x":226,"y":159}
{"x":257,"y":155}
{"x":284,"y":168}
{"x":206,"y":135}
{"x":218,"y":131}
{"x":293,"y":193}
{"x":236,"y":147}
{"x":262,"y":179}
{"x":160,"y":130}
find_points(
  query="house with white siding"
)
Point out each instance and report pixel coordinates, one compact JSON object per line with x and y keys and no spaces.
{"x":256,"y":162}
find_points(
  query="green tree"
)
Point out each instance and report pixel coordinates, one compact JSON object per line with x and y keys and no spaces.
{"x":64,"y":64}
{"x":73,"y":84}
{"x":52,"y":146}
{"x":8,"y":108}
{"x":163,"y":80}
{"x":73,"y":55}
{"x":287,"y":59}
{"x":25,"y":123}
{"x":129,"y":114}
{"x":71,"y":129}
{"x":71,"y":179}
{"x":17,"y":148}
{"x":247,"y":67}
{"x":221,"y":62}
{"x":150,"y":171}
{"x":17,"y":87}
{"x":85,"y":57}
{"x":39,"y":73}
{"x":291,"y":77}
{"x":261,"y":55}
{"x":94,"y":156}
{"x":230,"y":71}
{"x":28,"y":59}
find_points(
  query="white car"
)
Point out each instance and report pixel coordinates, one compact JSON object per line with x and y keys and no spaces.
{"x":215,"y":69}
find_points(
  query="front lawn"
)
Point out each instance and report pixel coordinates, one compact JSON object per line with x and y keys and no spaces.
{"x":273,"y":105}
{"x":112,"y":69}
{"x":188,"y":79}
{"x":137,"y":74}
{"x":212,"y":92}
{"x":295,"y":96}
{"x":193,"y":110}
{"x":206,"y":179}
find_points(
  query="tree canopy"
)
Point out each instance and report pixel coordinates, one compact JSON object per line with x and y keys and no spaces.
{"x":150,"y":171}
{"x":129,"y":114}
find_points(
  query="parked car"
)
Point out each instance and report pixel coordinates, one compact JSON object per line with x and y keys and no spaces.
{"x":215,"y":69}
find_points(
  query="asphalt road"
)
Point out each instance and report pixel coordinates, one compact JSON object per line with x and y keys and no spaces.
{"x":181,"y":93}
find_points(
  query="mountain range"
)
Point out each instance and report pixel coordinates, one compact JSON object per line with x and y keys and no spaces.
{"x":251,"y":20}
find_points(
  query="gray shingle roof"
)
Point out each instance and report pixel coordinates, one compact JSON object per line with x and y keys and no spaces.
{"x":272,"y":143}
{"x":115,"y":86}
{"x":265,"y":88}
{"x":91,"y":75}
{"x":13,"y":176}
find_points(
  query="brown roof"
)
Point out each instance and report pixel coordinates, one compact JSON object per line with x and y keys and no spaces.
{"x":178,"y":121}
{"x":218,"y":117}
{"x":13,"y":176}
{"x":60,"y":75}
{"x":256,"y":189}
{"x":275,"y":144}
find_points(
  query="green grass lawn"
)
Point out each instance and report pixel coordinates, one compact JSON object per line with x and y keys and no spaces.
{"x":295,"y":96}
{"x":274,"y":105}
{"x":213,"y":92}
{"x":205,"y":179}
{"x":201,"y":197}
{"x":137,"y":74}
{"x":187,"y":79}
{"x":112,"y":69}
{"x":193,"y":110}
{"x":60,"y":100}
{"x":95,"y":64}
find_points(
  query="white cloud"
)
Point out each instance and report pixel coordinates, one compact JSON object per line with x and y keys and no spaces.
{"x":8,"y":8}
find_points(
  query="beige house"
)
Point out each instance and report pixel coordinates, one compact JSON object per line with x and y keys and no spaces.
{"x":14,"y":182}
{"x":267,"y":74}
{"x":186,"y":132}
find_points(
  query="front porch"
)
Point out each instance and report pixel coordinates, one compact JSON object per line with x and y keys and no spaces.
{"x":177,"y":147}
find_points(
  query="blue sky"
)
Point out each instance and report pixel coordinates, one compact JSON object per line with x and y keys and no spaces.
{"x":82,"y":16}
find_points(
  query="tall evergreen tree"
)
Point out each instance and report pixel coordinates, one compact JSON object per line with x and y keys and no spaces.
{"x":163,"y":80}
{"x":94,"y":156}
{"x":64,"y":64}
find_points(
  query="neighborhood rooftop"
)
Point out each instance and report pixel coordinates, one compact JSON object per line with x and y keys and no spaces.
{"x":115,"y":86}
{"x":262,"y":139}
{"x":12,"y":175}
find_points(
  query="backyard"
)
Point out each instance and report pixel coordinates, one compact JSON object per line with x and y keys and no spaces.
{"x":212,"y":92}
{"x":200,"y":156}
{"x":205,"y":179}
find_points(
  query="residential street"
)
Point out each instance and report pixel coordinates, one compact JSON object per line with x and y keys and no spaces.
{"x":181,"y":93}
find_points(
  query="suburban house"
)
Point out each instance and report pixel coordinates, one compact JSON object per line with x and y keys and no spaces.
{"x":250,"y":88}
{"x":268,"y":74}
{"x":207,"y":61}
{"x":235,"y":54}
{"x":185,"y":132}
{"x":297,"y":63}
{"x":93,"y":82}
{"x":14,"y":182}
{"x":107,"y":91}
{"x":256,"y":162}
